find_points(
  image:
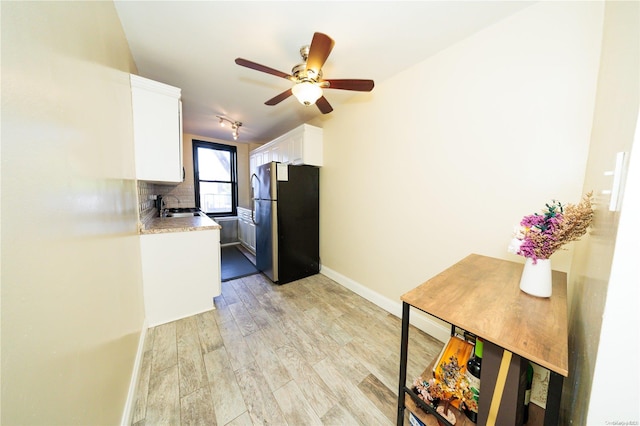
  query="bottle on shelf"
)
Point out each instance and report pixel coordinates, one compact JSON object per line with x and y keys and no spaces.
{"x":473,"y":376}
{"x":527,"y":393}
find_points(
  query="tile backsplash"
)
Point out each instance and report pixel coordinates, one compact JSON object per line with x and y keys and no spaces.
{"x":146,"y":203}
{"x":181,"y":195}
{"x":145,"y":196}
{"x":174,"y":195}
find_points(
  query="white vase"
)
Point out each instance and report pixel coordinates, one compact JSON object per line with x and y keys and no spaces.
{"x":536,"y":278}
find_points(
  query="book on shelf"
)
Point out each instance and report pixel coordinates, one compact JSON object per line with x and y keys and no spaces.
{"x":414,"y":420}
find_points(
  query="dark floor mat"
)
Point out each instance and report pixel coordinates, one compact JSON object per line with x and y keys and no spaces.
{"x":235,"y":264}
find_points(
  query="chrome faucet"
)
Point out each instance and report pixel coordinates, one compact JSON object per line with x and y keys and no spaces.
{"x":161,"y":205}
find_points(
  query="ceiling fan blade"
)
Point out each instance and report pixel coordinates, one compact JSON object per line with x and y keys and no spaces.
{"x":349,"y":84}
{"x":262,"y":68}
{"x":321,"y":46}
{"x":323,"y":105}
{"x":281,"y":97}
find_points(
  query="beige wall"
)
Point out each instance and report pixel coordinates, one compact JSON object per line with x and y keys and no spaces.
{"x":615,"y":120}
{"x":72,"y":308}
{"x":185,"y":190}
{"x":445,"y":158}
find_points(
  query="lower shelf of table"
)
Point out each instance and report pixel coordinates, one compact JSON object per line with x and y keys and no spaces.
{"x":429,"y":419}
{"x":536,"y":413}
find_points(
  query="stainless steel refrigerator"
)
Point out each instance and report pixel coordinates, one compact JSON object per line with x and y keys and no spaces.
{"x":287,"y":219}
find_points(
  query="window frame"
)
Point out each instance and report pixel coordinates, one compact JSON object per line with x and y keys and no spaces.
{"x":234,"y":174}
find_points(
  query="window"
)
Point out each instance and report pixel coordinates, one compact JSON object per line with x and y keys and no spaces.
{"x":215,"y":177}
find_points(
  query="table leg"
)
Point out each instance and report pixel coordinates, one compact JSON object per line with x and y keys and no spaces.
{"x":403,"y":362}
{"x":552,"y":410}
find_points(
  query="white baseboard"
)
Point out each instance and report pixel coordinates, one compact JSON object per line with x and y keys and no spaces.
{"x":420,"y":320}
{"x":184,"y":314}
{"x":133,"y":384}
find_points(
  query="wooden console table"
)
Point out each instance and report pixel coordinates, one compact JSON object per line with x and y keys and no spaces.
{"x":482,"y":295}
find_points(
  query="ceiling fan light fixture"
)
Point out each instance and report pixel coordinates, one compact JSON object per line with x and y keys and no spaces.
{"x":307,"y":92}
{"x":307,"y":76}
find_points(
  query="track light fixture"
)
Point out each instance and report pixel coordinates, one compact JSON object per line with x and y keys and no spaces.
{"x":235,"y":126}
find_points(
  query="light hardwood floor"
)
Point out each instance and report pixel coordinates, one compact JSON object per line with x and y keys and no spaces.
{"x":304,"y":353}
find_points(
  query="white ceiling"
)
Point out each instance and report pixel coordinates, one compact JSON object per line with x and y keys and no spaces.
{"x":193,"y":45}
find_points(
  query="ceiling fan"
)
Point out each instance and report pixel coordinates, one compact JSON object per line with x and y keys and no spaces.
{"x":307,"y":76}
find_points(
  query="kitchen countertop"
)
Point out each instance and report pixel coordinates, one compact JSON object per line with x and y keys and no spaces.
{"x":160,"y":225}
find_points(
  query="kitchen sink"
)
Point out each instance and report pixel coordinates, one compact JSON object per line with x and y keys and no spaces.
{"x":183,"y":212}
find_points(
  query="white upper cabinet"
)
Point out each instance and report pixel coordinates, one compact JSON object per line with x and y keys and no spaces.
{"x":302,"y":145}
{"x":306,"y":146}
{"x":157,"y":130}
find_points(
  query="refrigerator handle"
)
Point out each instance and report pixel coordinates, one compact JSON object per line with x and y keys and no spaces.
{"x":253,"y":218}
{"x":253,"y":198}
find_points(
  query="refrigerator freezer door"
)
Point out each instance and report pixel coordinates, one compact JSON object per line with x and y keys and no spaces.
{"x":266,"y":238}
{"x":267,"y":188}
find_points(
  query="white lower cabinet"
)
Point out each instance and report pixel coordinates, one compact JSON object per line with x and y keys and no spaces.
{"x":180,"y":274}
{"x":247,"y":234}
{"x":246,"y":229}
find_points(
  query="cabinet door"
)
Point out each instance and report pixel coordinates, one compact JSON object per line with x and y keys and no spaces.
{"x":297,"y":149}
{"x":312,"y":146}
{"x":285,"y":149}
{"x":306,"y":146}
{"x":251,"y":236}
{"x":252,"y":165}
{"x":247,"y":233}
{"x":259,"y":159}
{"x":242,"y":231}
{"x":157,"y":129}
{"x":267,"y":156}
{"x":177,"y":280}
{"x":276,"y":153}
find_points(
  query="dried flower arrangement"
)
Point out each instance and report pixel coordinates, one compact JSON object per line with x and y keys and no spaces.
{"x":540,"y":235}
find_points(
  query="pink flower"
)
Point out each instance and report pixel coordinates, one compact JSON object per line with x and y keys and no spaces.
{"x":536,"y":233}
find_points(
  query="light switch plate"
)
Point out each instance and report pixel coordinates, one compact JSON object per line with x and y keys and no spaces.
{"x":617,"y":182}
